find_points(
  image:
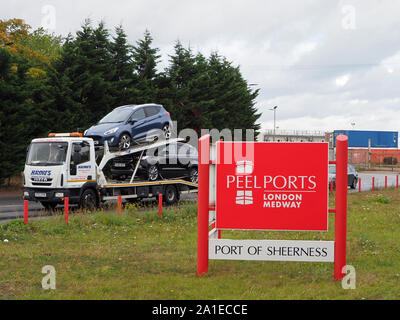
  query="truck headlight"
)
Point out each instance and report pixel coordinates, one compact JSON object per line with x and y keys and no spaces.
{"x":111,"y":131}
{"x":59,"y":195}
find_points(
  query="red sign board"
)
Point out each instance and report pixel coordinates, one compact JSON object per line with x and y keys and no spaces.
{"x":272,"y":186}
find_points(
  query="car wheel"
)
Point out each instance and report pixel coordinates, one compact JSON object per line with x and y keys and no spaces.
{"x":152,"y":173}
{"x":194,"y":175}
{"x":125,"y":141}
{"x":88,"y":200}
{"x":50,"y":206}
{"x":166,"y":131}
{"x":171,"y":195}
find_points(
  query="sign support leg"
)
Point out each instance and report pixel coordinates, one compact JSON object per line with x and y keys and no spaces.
{"x":341,"y":206}
{"x":203,"y":204}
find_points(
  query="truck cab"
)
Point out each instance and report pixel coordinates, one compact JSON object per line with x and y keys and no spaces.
{"x":59,"y":166}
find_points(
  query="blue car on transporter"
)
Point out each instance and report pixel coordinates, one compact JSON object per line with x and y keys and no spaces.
{"x":131,"y":124}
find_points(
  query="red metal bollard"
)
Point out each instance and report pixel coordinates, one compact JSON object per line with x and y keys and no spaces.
{"x":119,"y":210}
{"x":373,"y":183}
{"x":341,"y":206}
{"x":397,"y":181}
{"x":66,"y":209}
{"x":160,"y":196}
{"x":385,"y":182}
{"x":359,"y":185}
{"x":26,"y":210}
{"x":331,"y":187}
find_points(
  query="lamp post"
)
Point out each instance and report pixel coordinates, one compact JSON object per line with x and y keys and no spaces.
{"x":274,"y":110}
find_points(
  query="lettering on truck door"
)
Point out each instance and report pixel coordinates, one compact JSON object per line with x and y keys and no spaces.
{"x":81,"y":168}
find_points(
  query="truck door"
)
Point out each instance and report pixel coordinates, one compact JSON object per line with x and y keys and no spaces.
{"x":81,"y":169}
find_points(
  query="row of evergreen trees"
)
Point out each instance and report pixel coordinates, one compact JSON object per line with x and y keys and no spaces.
{"x":95,"y":72}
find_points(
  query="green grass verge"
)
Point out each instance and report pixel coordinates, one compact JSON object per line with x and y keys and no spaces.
{"x":141,"y":256}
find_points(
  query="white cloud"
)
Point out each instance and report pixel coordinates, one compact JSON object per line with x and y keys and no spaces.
{"x":343,"y":80}
{"x":320,"y":74}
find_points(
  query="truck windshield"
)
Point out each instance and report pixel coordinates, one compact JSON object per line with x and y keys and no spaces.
{"x":117,"y":115}
{"x":47,"y":153}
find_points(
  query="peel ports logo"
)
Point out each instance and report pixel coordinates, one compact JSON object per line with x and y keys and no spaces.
{"x":275,"y":187}
{"x":280,"y":187}
{"x":244,"y":197}
{"x":244,"y":167}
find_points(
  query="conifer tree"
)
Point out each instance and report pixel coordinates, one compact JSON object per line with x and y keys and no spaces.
{"x":234,"y":106}
{"x":19,"y":118}
{"x":145,"y":60}
{"x":124,"y":81}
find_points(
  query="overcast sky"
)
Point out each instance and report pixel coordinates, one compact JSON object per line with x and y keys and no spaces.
{"x":326,"y":64}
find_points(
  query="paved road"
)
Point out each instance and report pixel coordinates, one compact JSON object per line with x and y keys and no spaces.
{"x":12,"y":206}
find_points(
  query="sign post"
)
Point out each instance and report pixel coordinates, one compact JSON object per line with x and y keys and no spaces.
{"x":341,"y":206}
{"x":203,"y":204}
{"x":266,"y":190}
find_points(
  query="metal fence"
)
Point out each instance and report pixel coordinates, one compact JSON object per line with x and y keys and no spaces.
{"x":365,"y":159}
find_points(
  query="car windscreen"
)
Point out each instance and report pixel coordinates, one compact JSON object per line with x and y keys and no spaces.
{"x":117,"y":115}
{"x":47,"y":153}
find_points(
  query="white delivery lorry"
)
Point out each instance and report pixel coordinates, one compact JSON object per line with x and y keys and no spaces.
{"x":64,"y":165}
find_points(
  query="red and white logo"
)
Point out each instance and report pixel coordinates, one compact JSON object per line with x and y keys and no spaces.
{"x":244,"y":167}
{"x":244,"y":197}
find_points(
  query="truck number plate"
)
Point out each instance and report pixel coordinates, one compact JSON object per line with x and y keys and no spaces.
{"x":40,"y":195}
{"x":120,"y":165}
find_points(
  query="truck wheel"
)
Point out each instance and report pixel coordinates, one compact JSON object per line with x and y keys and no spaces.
{"x":171,"y":195}
{"x":50,"y":206}
{"x":152,"y":172}
{"x":194,"y":175}
{"x":88,"y":200}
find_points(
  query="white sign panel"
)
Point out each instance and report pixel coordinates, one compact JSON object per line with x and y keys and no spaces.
{"x":271,"y":250}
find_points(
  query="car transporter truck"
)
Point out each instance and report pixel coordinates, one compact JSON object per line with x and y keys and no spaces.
{"x":64,"y":165}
